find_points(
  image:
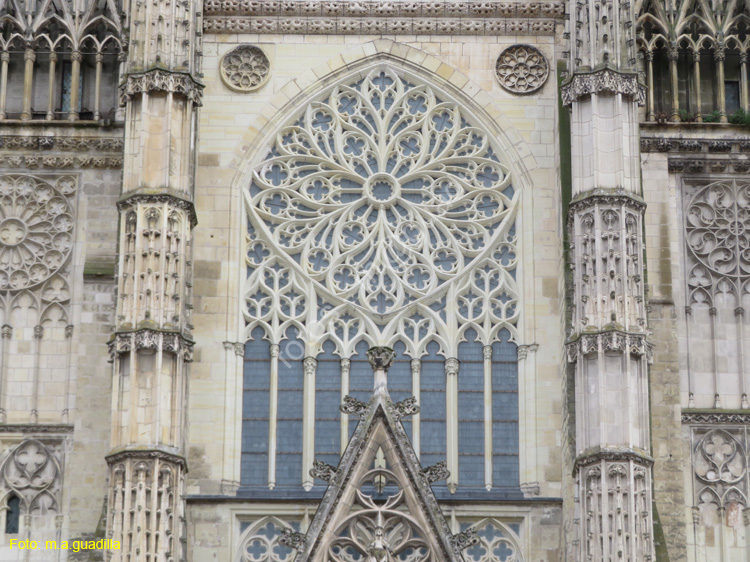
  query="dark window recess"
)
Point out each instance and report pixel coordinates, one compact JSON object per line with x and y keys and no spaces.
{"x":732,"y":89}
{"x":67,"y":83}
{"x":12,"y":515}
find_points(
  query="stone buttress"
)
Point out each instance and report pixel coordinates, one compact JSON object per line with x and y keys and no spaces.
{"x":607,"y":342}
{"x":152,"y":345}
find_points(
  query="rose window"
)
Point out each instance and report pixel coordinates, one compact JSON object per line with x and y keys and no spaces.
{"x":385,"y":199}
{"x":36,"y":229}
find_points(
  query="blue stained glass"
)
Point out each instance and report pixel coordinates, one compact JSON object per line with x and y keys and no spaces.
{"x":471,"y":470}
{"x":505,"y":438}
{"x":505,"y":470}
{"x":289,"y":470}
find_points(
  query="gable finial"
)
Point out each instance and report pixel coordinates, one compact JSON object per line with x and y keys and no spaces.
{"x":380,"y":359}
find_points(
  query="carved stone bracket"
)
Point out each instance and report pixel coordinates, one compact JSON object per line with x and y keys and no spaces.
{"x":465,"y":539}
{"x":380,"y":357}
{"x":601,"y":81}
{"x":323,"y":471}
{"x":292,"y":539}
{"x":407,"y":407}
{"x":132,"y":199}
{"x":173,"y":342}
{"x":591,"y":457}
{"x":354,"y":407}
{"x":436,"y":472}
{"x":612,"y":340}
{"x":161,"y":81}
{"x":146,"y":454}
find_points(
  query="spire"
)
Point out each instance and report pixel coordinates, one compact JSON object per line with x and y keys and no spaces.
{"x":379,"y":504}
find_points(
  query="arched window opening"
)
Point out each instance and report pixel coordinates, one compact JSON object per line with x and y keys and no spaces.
{"x":382,"y":215}
{"x":13,"y":515}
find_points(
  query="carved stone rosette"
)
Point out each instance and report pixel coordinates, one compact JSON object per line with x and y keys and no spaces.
{"x":245,"y":68}
{"x":522,"y":69}
{"x":146,"y":511}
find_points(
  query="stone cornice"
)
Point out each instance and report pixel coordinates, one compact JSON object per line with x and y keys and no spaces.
{"x":377,"y":8}
{"x":716,"y":417}
{"x":692,"y":165}
{"x":63,"y":143}
{"x":59,"y":161}
{"x":598,"y":454}
{"x":158,"y":80}
{"x":607,"y":197}
{"x":131,"y":199}
{"x":26,"y":428}
{"x":601,"y":81}
{"x":673,"y":144}
{"x":145,"y":454}
{"x":609,"y":340}
{"x":396,"y":17}
{"x":146,"y":338}
{"x":378,"y":26}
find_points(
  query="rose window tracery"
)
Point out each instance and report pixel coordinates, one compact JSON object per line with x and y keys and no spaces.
{"x":718,"y":241}
{"x":245,"y":68}
{"x":387,"y":203}
{"x":522,"y":69}
{"x":36,"y":229}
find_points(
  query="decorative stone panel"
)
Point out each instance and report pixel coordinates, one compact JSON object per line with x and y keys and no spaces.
{"x":245,"y":68}
{"x":522,"y":69}
{"x":262,"y":540}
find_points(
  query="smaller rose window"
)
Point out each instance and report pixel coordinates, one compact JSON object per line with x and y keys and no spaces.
{"x":522,"y":69}
{"x":36,"y":230}
{"x":245,"y":68}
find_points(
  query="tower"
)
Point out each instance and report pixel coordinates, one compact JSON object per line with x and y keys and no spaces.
{"x":607,"y":344}
{"x":152,"y":345}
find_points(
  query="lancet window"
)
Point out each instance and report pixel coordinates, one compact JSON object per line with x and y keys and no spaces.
{"x":694,"y":59}
{"x":382,"y":215}
{"x":59,"y":60}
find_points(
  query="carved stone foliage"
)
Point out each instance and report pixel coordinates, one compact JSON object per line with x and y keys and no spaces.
{"x":161,"y":81}
{"x":399,"y":17}
{"x":263,"y":540}
{"x":603,"y":81}
{"x":615,"y":507}
{"x":391,"y":26}
{"x":36,"y":229}
{"x":245,"y":68}
{"x":717,"y":238}
{"x":145,"y":508}
{"x":522,"y":69}
{"x":390,"y":206}
{"x":496,"y":542}
{"x":32,"y":470}
{"x":720,"y":476}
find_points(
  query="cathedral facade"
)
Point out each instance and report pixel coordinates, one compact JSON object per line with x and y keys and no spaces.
{"x":374,"y":280}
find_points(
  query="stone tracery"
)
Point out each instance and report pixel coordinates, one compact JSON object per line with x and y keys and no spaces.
{"x":717,"y":233}
{"x":393,"y":210}
{"x":36,"y":227}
